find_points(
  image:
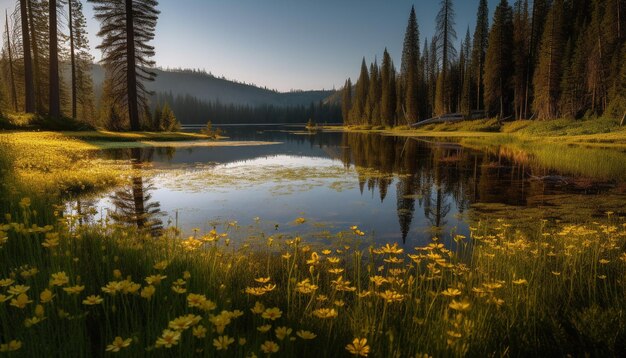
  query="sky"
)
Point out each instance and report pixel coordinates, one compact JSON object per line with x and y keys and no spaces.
{"x":286,"y":44}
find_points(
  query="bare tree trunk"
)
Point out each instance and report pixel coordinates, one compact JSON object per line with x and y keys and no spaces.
{"x":54,"y":107}
{"x":72,"y":56}
{"x":131,"y":74}
{"x":11,"y":75}
{"x":29,"y":86}
{"x":623,"y":119}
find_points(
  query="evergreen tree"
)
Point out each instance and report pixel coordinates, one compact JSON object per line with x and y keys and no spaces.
{"x":127,"y":26}
{"x":157,"y":119}
{"x":29,"y":84}
{"x":479,"y":49}
{"x":433,"y":74}
{"x":360,"y":95}
{"x":498,"y":61}
{"x":617,"y":104}
{"x":54,"y":106}
{"x":346,"y":101}
{"x":445,"y":35}
{"x":11,"y":73}
{"x":466,"y":76}
{"x":80,"y":63}
{"x":409,"y":70}
{"x":372,"y":107}
{"x":521,"y":43}
{"x":38,"y":19}
{"x":547,"y":78}
{"x":169,"y":122}
{"x":388,"y":101}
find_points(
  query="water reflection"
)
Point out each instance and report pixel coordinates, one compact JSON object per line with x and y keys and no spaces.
{"x":349,"y":178}
{"x":132,"y":204}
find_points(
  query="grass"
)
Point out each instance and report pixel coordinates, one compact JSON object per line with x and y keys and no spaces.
{"x":498,"y":292}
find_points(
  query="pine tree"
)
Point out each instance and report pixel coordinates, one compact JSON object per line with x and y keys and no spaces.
{"x":12,"y":84}
{"x":29,"y":85}
{"x":38,"y":19}
{"x":360,"y":95}
{"x":479,"y":50}
{"x":498,"y":61}
{"x":617,"y":95}
{"x":80,"y":63}
{"x":521,"y":43}
{"x":409,"y":70}
{"x":446,"y":35}
{"x":372,"y":107}
{"x":388,"y":100}
{"x":346,"y":101}
{"x":547,"y":78}
{"x":127,"y":26}
{"x":169,"y":123}
{"x":157,"y":119}
{"x":466,"y":76}
{"x":54,"y":106}
{"x":433,"y":74}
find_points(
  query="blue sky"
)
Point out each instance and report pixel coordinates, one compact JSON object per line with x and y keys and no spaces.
{"x":286,"y":44}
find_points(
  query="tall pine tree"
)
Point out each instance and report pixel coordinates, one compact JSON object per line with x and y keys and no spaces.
{"x":346,"y":101}
{"x":445,"y":35}
{"x":479,"y":50}
{"x":498,"y":61}
{"x":409,"y":70}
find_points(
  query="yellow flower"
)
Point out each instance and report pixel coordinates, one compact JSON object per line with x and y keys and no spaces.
{"x":199,"y":331}
{"x":359,"y":347}
{"x":11,"y":346}
{"x":306,"y":334}
{"x":521,"y":281}
{"x":208,"y":305}
{"x":168,"y":339}
{"x":51,"y":241}
{"x":272,"y":313}
{"x":155,"y":279}
{"x":117,"y":273}
{"x":18,"y":289}
{"x":195,"y":300}
{"x":186,"y":275}
{"x":391,"y":296}
{"x":74,"y":290}
{"x":264,"y":328}
{"x":59,"y":279}
{"x":39,"y":311}
{"x":222,"y":342}
{"x":147,"y":292}
{"x":118,"y":343}
{"x":262,"y":279}
{"x":300,"y":221}
{"x":6,"y":282}
{"x":21,"y":301}
{"x":325,"y":313}
{"x":129,"y":286}
{"x":306,"y":287}
{"x":451,"y":292}
{"x":184,"y":322}
{"x":220,"y":321}
{"x":283,"y":332}
{"x":459,"y":306}
{"x":269,"y":347}
{"x":29,"y":322}
{"x":162,"y":265}
{"x":255,"y":291}
{"x":339,"y":303}
{"x":179,"y":289}
{"x":314,"y":260}
{"x":46,"y":296}
{"x":242,"y":341}
{"x":336,"y":271}
{"x":258,"y":308}
{"x":112,"y":287}
{"x":92,"y":300}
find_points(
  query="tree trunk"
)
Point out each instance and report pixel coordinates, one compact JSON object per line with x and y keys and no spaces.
{"x":35,"y":59}
{"x":623,"y":119}
{"x":131,"y":75}
{"x":29,"y":86}
{"x":54,"y":107}
{"x":11,"y":75}
{"x":72,"y":56}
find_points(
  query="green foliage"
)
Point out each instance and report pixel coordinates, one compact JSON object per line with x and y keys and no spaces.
{"x":498,"y":61}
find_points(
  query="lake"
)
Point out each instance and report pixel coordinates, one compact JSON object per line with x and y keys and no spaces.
{"x":394,"y":188}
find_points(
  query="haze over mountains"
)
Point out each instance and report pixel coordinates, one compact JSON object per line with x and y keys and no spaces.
{"x":209,"y":88}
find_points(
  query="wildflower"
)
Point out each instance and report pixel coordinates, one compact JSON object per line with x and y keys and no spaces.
{"x":333,"y":260}
{"x":314,"y":260}
{"x":147,"y":292}
{"x":321,"y":298}
{"x":186,"y":275}
{"x":300,"y":221}
{"x":93,"y":300}
{"x":179,"y":289}
{"x":326,"y":252}
{"x":359,"y":347}
{"x":222,"y":342}
{"x":258,"y":308}
{"x":451,"y":292}
{"x":6,"y":282}
{"x":208,"y":305}
{"x":339,"y":303}
{"x":21,"y":301}
{"x":184,"y":322}
{"x":162,"y":265}
{"x":286,"y":256}
{"x":46,"y":296}
{"x":272,"y":313}
{"x":29,"y":273}
{"x":168,"y":339}
{"x":59,"y":279}
{"x":306,"y":335}
{"x":199,"y":331}
{"x":29,"y":322}
{"x":282,"y":332}
{"x":155,"y":279}
{"x":325,"y":313}
{"x":112,"y":287}
{"x":341,"y":285}
{"x":378,"y":280}
{"x":234,"y":313}
{"x":39,"y":311}
{"x":459,"y":306}
{"x":336,"y":271}
{"x":18,"y":289}
{"x":128,"y":286}
{"x":220,"y":321}
{"x":264,"y":328}
{"x":391,"y":296}
{"x":117,"y":273}
{"x":11,"y":346}
{"x":604,"y":261}
{"x":306,"y":287}
{"x":255,"y":291}
{"x":269,"y":347}
{"x":118,"y":344}
{"x":195,"y":300}
{"x":242,"y":341}
{"x":74,"y":290}
{"x":521,"y":281}
{"x":262,"y":279}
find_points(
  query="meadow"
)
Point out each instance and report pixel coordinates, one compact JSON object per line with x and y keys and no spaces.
{"x":79,"y":287}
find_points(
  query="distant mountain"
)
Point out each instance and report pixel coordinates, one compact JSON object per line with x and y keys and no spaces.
{"x":209,"y":88}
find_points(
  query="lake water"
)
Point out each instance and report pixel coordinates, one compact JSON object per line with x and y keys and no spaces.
{"x":396,"y":189}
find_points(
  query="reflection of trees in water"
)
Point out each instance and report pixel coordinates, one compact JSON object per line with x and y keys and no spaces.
{"x":133,"y":203}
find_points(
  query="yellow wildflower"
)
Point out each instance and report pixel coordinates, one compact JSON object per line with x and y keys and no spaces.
{"x":258,"y":308}
{"x":300,"y":221}
{"x":74,"y":290}
{"x":112,"y":287}
{"x":196,"y":300}
{"x":255,"y":291}
{"x":264,"y":328}
{"x":262,"y":279}
{"x":11,"y":346}
{"x":147,"y":292}
{"x":118,"y":344}
{"x":282,"y":332}
{"x":272,"y":313}
{"x":306,"y":334}
{"x":359,"y":347}
{"x":6,"y":282}
{"x":325,"y":313}
{"x":184,"y":322}
{"x":59,"y":279}
{"x":21,"y":301}
{"x":459,"y":306}
{"x":451,"y":292}
{"x":46,"y":296}
{"x":391,"y":296}
{"x":155,"y":279}
{"x":306,"y":287}
{"x":93,"y":300}
{"x":29,"y":322}
{"x":162,"y":265}
{"x":270,"y":347}
{"x":168,"y":339}
{"x":199,"y":331}
{"x":18,"y":289}
{"x":314,"y":260}
{"x":521,"y":281}
{"x":222,"y":342}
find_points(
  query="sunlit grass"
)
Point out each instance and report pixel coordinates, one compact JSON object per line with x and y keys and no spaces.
{"x":558,"y":292}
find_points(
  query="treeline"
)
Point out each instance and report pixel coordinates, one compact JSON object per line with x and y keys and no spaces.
{"x":192,"y":110}
{"x":538,"y":60}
